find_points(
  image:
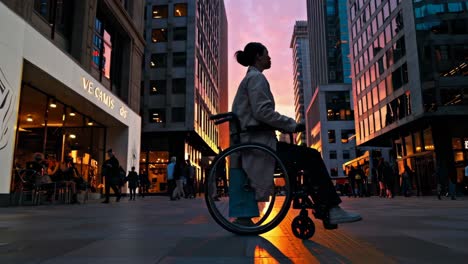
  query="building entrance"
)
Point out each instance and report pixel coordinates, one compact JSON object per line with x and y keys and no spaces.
{"x":58,"y":131}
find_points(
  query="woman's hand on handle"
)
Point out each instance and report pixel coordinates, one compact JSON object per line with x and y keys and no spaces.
{"x":300,"y":127}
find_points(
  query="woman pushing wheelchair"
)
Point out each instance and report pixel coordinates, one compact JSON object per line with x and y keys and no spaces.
{"x":254,"y":106}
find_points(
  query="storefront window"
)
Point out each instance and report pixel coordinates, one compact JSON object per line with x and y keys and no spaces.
{"x":156,"y":163}
{"x":456,"y":143}
{"x":409,"y":145}
{"x":428,"y":145}
{"x":57,"y":130}
{"x":418,"y":142}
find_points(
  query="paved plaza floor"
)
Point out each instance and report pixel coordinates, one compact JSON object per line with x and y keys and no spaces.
{"x":156,"y":230}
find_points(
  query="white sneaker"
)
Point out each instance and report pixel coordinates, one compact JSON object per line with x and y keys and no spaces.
{"x":338,"y":216}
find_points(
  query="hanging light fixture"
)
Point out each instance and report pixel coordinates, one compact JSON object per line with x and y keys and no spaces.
{"x":72,"y":112}
{"x":29,"y":118}
{"x":53,"y":103}
{"x":90,"y":122}
{"x":73,"y":136}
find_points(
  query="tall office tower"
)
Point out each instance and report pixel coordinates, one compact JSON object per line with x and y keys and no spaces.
{"x":410,"y":83}
{"x":301,"y":64}
{"x":329,"y":116}
{"x":185,"y":81}
{"x":70,"y":75}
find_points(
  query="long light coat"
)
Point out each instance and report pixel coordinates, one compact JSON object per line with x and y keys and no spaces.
{"x":254,"y":105}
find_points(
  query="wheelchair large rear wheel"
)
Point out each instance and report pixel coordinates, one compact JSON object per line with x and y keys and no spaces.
{"x":231,"y":200}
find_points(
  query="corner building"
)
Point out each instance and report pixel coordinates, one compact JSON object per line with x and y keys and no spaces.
{"x":184,"y":83}
{"x":329,"y":114}
{"x":69,"y":84}
{"x":410,"y":80}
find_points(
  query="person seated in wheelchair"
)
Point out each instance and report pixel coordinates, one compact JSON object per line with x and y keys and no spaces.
{"x":254,"y":106}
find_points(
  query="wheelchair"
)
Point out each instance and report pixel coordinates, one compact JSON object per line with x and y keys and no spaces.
{"x":238,"y":211}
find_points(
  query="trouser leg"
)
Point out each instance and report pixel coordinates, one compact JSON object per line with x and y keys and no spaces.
{"x":107,"y":186}
{"x":315,"y":172}
{"x":116,"y":190}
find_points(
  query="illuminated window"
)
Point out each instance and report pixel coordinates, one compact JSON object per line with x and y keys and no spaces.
{"x":160,"y":11}
{"x":159,"y":35}
{"x":158,"y":60}
{"x":331,"y":136}
{"x":180,"y":10}
{"x":157,"y":87}
{"x":347,"y":135}
{"x":157,"y":115}
{"x":102,"y":49}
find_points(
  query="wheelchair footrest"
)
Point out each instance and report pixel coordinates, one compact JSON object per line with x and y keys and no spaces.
{"x":329,"y":226}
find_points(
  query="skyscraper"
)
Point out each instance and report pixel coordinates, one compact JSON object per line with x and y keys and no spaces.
{"x":329,"y":116}
{"x":410,"y":83}
{"x":301,"y":64}
{"x":185,"y":82}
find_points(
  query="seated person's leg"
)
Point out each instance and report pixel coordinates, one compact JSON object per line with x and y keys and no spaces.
{"x":319,"y":182}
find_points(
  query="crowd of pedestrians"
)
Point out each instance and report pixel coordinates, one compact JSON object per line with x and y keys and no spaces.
{"x":387,"y":180}
{"x":180,"y":179}
{"x":115,"y":179}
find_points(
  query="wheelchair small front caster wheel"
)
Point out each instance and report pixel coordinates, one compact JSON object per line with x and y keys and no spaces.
{"x":303,"y":227}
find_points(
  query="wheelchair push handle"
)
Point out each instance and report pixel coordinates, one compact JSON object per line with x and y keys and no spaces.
{"x":226,"y":117}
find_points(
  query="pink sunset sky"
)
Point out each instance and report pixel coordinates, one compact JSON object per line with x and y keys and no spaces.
{"x":270,"y":22}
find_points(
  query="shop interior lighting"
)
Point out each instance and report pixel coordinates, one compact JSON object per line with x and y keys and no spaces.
{"x":72,"y":136}
{"x":72,"y":112}
{"x":29,"y":118}
{"x":90,"y":122}
{"x":53,"y":103}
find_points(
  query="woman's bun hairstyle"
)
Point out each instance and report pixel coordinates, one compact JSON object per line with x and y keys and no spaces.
{"x":250,"y":52}
{"x":240,"y":56}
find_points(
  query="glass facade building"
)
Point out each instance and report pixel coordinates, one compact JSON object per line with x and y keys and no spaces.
{"x":410,"y":83}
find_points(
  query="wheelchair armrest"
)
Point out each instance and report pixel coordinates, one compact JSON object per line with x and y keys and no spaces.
{"x":224,"y":117}
{"x":229,"y":115}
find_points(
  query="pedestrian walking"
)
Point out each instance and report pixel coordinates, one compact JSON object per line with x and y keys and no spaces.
{"x":171,"y":183}
{"x":179,"y":171}
{"x":352,"y":180}
{"x":388,"y":174}
{"x":132,"y":179}
{"x":143,"y":183}
{"x":406,"y":177}
{"x":190,"y":172}
{"x":111,"y":174}
{"x":380,"y":177}
{"x":359,"y":177}
{"x":441,"y":178}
